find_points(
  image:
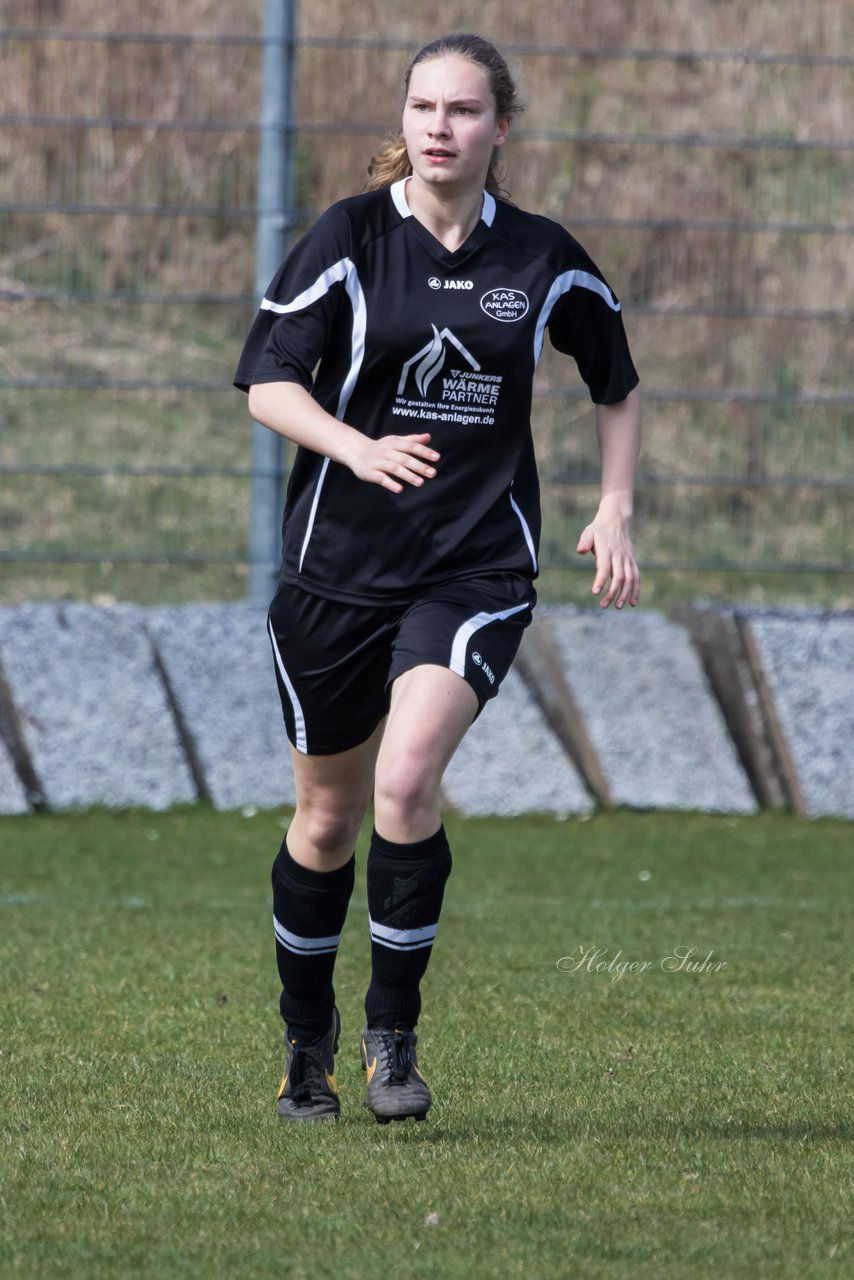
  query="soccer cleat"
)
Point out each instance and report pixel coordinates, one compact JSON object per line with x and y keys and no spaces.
{"x":309,"y":1090}
{"x":396,"y":1088}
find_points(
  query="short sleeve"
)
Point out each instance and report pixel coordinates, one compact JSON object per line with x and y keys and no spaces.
{"x":586,"y":323}
{"x":292,"y":329}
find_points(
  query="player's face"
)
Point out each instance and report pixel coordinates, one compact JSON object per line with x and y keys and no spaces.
{"x":450,"y":125}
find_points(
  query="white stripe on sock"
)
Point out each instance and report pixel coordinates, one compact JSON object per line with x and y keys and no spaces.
{"x":305,"y":946}
{"x":402,"y":939}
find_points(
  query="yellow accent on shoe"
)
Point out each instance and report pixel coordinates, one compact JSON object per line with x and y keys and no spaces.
{"x":282,"y":1087}
{"x":331,"y":1081}
{"x":404,"y":1092}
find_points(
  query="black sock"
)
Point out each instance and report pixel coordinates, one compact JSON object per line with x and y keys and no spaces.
{"x":406,"y":883}
{"x":309,"y":910}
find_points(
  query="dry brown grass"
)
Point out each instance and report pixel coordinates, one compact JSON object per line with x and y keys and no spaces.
{"x":166,"y":167}
{"x":662,"y":267}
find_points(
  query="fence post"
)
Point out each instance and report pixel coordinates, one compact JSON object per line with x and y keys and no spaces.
{"x":275,"y":202}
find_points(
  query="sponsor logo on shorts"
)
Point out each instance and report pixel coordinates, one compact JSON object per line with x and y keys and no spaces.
{"x":484,"y":666}
{"x":506,"y":305}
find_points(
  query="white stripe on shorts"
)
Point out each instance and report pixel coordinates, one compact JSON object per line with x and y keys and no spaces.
{"x":299,"y":718}
{"x":402,"y":939}
{"x":467,"y":630}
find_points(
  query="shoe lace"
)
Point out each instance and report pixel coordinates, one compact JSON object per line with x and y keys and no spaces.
{"x":306,"y":1074}
{"x":395,"y":1055}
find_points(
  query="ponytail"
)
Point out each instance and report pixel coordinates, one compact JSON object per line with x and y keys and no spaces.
{"x":389,"y":164}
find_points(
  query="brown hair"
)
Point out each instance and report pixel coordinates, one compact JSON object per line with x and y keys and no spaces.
{"x":391,"y":162}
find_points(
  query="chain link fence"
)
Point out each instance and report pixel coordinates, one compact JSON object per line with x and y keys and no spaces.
{"x":707,"y":168}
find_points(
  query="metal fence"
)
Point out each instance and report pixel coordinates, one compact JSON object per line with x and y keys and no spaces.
{"x":712,"y":184}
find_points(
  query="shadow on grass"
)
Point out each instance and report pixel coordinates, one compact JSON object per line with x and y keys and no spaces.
{"x":561,"y":1132}
{"x":826,"y":1131}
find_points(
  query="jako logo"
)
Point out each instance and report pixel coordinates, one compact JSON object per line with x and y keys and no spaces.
{"x":505,"y":305}
{"x":484,"y":666}
{"x":435,"y":283}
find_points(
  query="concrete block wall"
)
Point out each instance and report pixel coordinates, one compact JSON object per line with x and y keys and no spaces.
{"x":712,"y":708}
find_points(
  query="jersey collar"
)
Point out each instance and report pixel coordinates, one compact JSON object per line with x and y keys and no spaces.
{"x":398,"y":195}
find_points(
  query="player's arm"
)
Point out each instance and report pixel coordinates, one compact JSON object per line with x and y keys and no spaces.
{"x":608,"y":535}
{"x":392,"y":461}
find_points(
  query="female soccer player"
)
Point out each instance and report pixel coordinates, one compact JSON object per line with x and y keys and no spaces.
{"x":397,"y":346}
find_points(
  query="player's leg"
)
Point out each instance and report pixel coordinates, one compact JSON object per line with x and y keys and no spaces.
{"x":452,"y":652}
{"x":313,"y":878}
{"x":431,"y":710}
{"x":332,"y":796}
{"x":331,"y":678}
{"x":408,"y":864}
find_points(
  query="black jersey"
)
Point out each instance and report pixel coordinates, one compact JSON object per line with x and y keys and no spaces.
{"x":394,"y":334}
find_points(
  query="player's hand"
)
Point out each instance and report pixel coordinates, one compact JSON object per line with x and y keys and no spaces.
{"x":607,"y":536}
{"x":393,"y":461}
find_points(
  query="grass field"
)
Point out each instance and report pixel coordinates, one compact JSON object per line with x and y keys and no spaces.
{"x":659,"y":1123}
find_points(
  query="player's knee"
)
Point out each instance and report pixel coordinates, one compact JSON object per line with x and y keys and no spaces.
{"x":331,"y":828}
{"x":405,"y":790}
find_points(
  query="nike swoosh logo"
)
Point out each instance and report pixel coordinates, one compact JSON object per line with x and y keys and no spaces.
{"x":372,"y":1066}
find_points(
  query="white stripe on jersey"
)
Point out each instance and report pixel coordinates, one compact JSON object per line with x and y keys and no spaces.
{"x":343,"y":270}
{"x":299,"y":718}
{"x":356,"y":294}
{"x":313,"y":512}
{"x":322,"y":285}
{"x":402,"y":939}
{"x":562,"y":285}
{"x":527,"y":532}
{"x":305,"y":946}
{"x":467,"y":630}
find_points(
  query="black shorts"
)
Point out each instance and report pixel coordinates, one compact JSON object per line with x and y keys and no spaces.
{"x":335,"y":663}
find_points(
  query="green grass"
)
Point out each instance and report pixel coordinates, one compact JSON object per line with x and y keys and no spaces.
{"x":661,"y":588}
{"x":663,"y":1124}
